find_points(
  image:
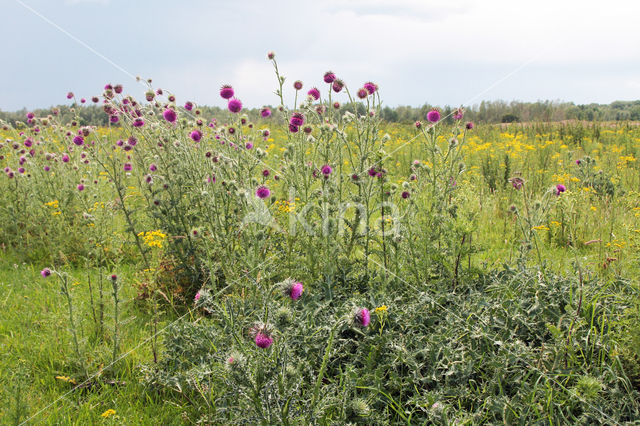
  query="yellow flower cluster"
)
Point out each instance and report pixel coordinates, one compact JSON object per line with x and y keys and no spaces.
{"x":382,"y":309}
{"x":110,"y":412}
{"x":56,"y":208}
{"x":153,"y":238}
{"x":285,"y":206}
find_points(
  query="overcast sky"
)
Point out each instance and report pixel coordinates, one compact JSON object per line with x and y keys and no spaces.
{"x":436,"y":52}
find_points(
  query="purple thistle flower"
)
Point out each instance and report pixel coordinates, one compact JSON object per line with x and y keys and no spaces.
{"x":418,"y":124}
{"x":21,"y":170}
{"x":263,"y":192}
{"x":263,"y":340}
{"x":196,"y":135}
{"x":295,"y":291}
{"x":405,"y":194}
{"x":69,"y":95}
{"x":30,"y":115}
{"x":235,"y":106}
{"x":78,"y":140}
{"x":266,"y":173}
{"x":80,"y":187}
{"x":326,"y":170}
{"x":578,"y":162}
{"x":138,"y":122}
{"x":297,"y":85}
{"x":458,"y":114}
{"x":363,"y":317}
{"x":118,"y":88}
{"x":297,"y":119}
{"x":128,"y":167}
{"x":363,"y":93}
{"x":226,"y":92}
{"x":337,"y":85}
{"x":153,"y":167}
{"x":293,"y":129}
{"x":113,"y":119}
{"x":517,"y":182}
{"x":265,"y":112}
{"x":329,"y":77}
{"x":47,"y":168}
{"x":45,"y":272}
{"x":314,"y":93}
{"x":197,"y":297}
{"x":433,"y":116}
{"x":65,"y":158}
{"x":271,"y":55}
{"x":188,"y":106}
{"x":469,"y":125}
{"x":170,"y":115}
{"x":371,"y":87}
{"x":560,"y":188}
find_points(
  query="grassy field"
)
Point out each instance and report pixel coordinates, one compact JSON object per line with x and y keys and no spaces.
{"x":497,"y":267}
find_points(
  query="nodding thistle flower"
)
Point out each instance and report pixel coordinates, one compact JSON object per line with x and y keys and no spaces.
{"x":265,"y":112}
{"x":271,"y":55}
{"x":337,"y":85}
{"x":418,"y":124}
{"x":78,"y":140}
{"x":326,"y":170}
{"x":362,"y":317}
{"x":196,"y":135}
{"x":297,"y":119}
{"x":329,"y":77}
{"x":292,"y":288}
{"x":297,"y":85}
{"x":371,"y":87}
{"x":128,"y":167}
{"x":433,"y":116}
{"x":226,"y":92}
{"x":314,"y":93}
{"x":517,"y":182}
{"x":262,"y":335}
{"x":170,"y":115}
{"x":458,"y":114}
{"x":263,"y":192}
{"x":45,"y":272}
{"x":363,"y":93}
{"x":469,"y":125}
{"x":235,"y":106}
{"x":560,"y":188}
{"x":188,"y":105}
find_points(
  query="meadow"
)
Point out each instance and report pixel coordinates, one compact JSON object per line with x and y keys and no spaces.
{"x":316,"y":265}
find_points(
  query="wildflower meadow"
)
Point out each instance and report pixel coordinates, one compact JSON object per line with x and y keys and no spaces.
{"x":309,"y":262}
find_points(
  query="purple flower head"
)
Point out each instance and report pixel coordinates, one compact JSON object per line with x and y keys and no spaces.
{"x":326,"y":170}
{"x":80,"y":187}
{"x":362,"y":93}
{"x":297,"y":119}
{"x":314,"y":93}
{"x":265,"y":112}
{"x":138,"y":122}
{"x":235,"y":106}
{"x":170,"y":115}
{"x":248,"y":145}
{"x":65,"y":158}
{"x":337,"y":85}
{"x":560,"y":188}
{"x":418,"y":124}
{"x":21,"y":170}
{"x":266,"y":173}
{"x":329,"y":77}
{"x":188,"y":106}
{"x":372,"y":172}
{"x":128,"y":167}
{"x":469,"y":125}
{"x":578,"y":162}
{"x":47,"y":168}
{"x":153,"y":167}
{"x":30,"y":115}
{"x":226,"y":92}
{"x":433,"y":116}
{"x":293,"y":129}
{"x":271,"y":55}
{"x":196,"y":135}
{"x":363,"y":317}
{"x":336,"y":105}
{"x":69,"y":95}
{"x":45,"y":272}
{"x":296,"y":290}
{"x":297,"y":85}
{"x":371,"y":87}
{"x":405,"y":194}
{"x":263,"y":340}
{"x":118,"y":88}
{"x":263,"y":192}
{"x":197,"y":297}
{"x":458,"y":114}
{"x":113,"y":119}
{"x":517,"y":182}
{"x":78,"y":140}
